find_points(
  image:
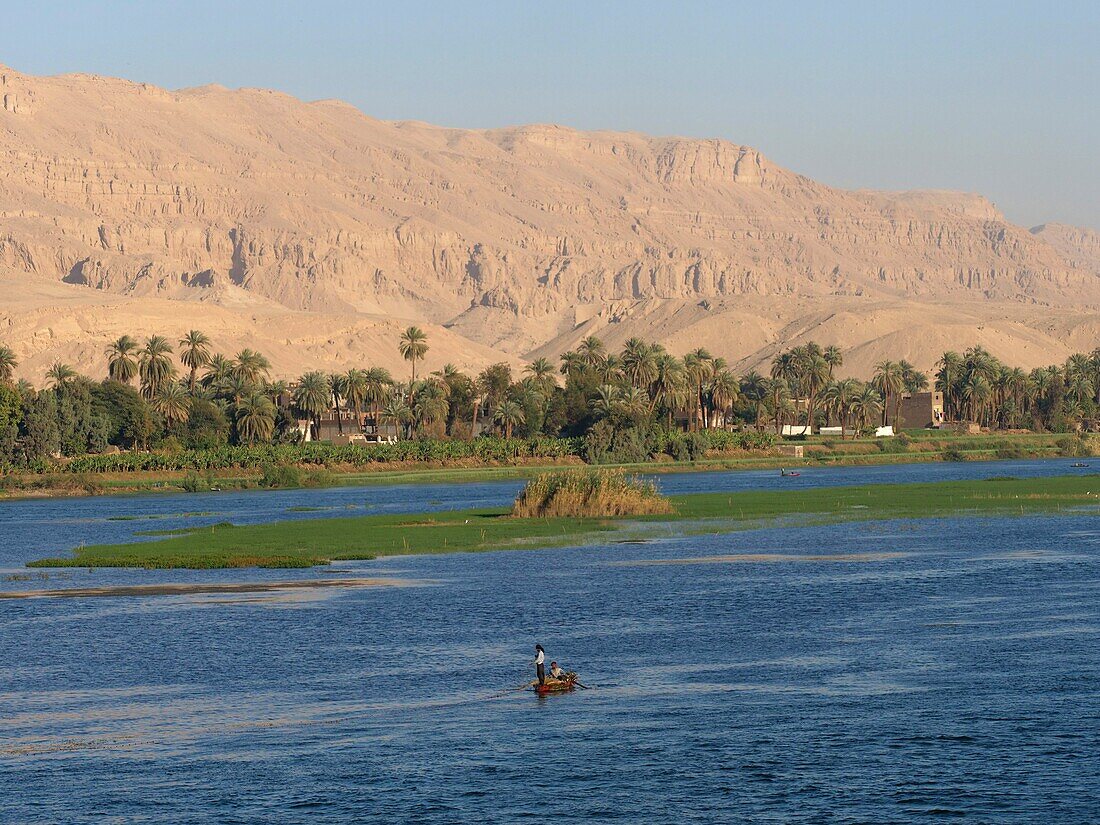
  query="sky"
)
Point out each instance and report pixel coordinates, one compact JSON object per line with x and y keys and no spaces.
{"x":999,"y":98}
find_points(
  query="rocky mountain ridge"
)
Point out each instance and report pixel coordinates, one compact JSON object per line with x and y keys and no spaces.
{"x":513,"y":238}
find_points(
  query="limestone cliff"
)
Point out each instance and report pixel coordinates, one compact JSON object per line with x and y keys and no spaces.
{"x":507,"y":236}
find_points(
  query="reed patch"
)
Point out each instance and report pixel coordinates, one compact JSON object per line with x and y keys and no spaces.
{"x":589,"y":494}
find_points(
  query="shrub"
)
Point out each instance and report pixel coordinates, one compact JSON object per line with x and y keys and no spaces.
{"x":279,"y":475}
{"x":321,"y":477}
{"x":192,"y":483}
{"x":597,"y":443}
{"x":589,"y":493}
{"x":953,"y":454}
{"x":1074,"y":447}
{"x":687,"y":446}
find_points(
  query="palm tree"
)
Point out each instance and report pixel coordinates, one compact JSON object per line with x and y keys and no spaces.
{"x":834,"y":358}
{"x":779,"y":399}
{"x":639,"y":363}
{"x":235,"y":387}
{"x":397,"y":412}
{"x":275,"y":390}
{"x":194,"y":353}
{"x":379,"y":388}
{"x":813,"y":376}
{"x":8,"y":363}
{"x":699,"y":366}
{"x":429,"y":404}
{"x":154,"y":366}
{"x":949,"y":371}
{"x":605,"y":401}
{"x":669,"y":385}
{"x":591,"y":351}
{"x":251,"y":366}
{"x":754,"y":387}
{"x":339,"y":388}
{"x":507,"y":415}
{"x":572,"y":363}
{"x":60,"y":374}
{"x":413,"y":347}
{"x":173,"y":402}
{"x":890,"y":383}
{"x":541,"y":370}
{"x":255,"y":416}
{"x":218,"y":371}
{"x":633,"y":403}
{"x":313,"y":396}
{"x":355,"y":392}
{"x":865,"y":407}
{"x":724,"y":391}
{"x":977,"y":392}
{"x":121,"y":365}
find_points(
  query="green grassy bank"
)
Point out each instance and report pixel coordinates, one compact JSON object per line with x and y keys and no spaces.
{"x":916,"y":446}
{"x":305,"y":543}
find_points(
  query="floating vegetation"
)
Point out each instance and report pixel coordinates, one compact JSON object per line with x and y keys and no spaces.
{"x":589,"y":494}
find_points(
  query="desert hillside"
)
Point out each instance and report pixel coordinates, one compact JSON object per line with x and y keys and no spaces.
{"x":312,"y":231}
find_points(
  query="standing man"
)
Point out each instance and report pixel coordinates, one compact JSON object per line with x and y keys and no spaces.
{"x":540,"y":664}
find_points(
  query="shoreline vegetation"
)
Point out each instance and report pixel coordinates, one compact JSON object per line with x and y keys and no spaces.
{"x":320,"y":465}
{"x":176,"y":414}
{"x":313,"y":542}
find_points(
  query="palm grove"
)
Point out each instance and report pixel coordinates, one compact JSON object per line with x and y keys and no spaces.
{"x":165,"y":394}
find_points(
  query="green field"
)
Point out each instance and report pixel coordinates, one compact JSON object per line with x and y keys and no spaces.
{"x":310,"y":542}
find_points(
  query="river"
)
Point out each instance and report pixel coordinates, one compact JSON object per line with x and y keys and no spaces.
{"x":868,"y":672}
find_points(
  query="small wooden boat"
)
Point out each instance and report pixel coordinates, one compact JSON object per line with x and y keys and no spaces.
{"x":557,"y":685}
{"x":1079,"y":464}
{"x":789,"y":475}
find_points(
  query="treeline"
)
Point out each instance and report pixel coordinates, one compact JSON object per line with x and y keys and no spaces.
{"x":183,"y":398}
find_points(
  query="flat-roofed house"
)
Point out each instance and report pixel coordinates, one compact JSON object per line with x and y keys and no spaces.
{"x":918,"y":411}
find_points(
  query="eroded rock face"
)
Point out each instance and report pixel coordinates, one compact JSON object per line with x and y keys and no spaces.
{"x":130,"y":189}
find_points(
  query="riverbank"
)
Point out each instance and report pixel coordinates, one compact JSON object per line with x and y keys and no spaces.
{"x":919,"y":446}
{"x":306,"y":543}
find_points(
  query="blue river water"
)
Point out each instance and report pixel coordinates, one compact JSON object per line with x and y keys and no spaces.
{"x":873,"y":672}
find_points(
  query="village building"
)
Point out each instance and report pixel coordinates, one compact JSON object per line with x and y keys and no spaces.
{"x":918,"y":411}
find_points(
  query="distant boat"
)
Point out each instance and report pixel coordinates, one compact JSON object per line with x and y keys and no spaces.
{"x":1078,"y":464}
{"x":791,"y":474}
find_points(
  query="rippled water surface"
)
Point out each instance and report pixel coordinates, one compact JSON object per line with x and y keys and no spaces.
{"x":850,"y":673}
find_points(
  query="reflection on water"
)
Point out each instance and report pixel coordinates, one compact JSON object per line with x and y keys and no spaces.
{"x":948,"y":670}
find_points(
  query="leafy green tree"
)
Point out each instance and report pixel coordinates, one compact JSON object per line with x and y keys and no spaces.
{"x":207,"y":425}
{"x":41,"y":437}
{"x":129,"y":417}
{"x":11,"y":414}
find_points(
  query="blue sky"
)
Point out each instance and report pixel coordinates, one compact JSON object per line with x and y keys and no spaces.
{"x":998,"y":98}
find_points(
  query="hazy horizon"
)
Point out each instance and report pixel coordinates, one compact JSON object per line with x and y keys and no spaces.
{"x":982,"y":98}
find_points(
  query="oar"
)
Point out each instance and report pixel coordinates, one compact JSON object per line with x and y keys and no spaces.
{"x":578,"y":684}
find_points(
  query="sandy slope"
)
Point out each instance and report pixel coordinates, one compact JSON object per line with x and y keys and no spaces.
{"x":307,"y":229}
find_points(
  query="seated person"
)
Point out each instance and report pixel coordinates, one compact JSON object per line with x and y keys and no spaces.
{"x":556,"y":672}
